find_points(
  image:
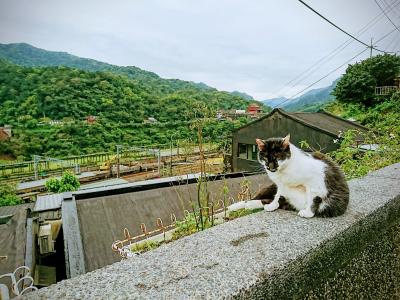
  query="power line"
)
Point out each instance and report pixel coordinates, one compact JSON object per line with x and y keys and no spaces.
{"x":386,"y":35}
{"x":387,"y":4}
{"x":387,"y":16}
{"x":315,"y":66}
{"x":312,"y":84}
{"x":395,"y":45}
{"x":342,"y":30}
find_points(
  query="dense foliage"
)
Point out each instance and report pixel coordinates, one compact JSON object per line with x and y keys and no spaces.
{"x":356,"y":97}
{"x":383,"y":119}
{"x":8,"y":195}
{"x":29,"y":56}
{"x":68,"y":183}
{"x":358,"y":83}
{"x":31,"y":97}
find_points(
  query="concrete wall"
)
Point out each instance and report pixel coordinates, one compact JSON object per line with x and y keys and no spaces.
{"x":102,"y":219}
{"x":275,"y":255}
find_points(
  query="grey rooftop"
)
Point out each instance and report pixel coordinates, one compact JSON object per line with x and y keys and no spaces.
{"x":267,"y":255}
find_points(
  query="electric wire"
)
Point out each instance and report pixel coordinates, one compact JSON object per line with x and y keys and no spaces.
{"x":342,"y":30}
{"x":314,"y":67}
{"x":396,"y":44}
{"x":386,"y":35}
{"x":386,"y":15}
{"x":312,"y":84}
{"x":389,"y":45}
{"x":292,"y":97}
{"x":315,"y":82}
{"x":395,"y":10}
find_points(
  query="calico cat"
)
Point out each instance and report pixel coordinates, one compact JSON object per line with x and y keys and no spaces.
{"x":310,"y":183}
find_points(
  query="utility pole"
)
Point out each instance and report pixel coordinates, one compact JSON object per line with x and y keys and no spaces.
{"x":370,"y":53}
{"x":170,"y":157}
{"x":36,"y":159}
{"x":159,"y":162}
{"x":118,"y":149}
{"x":170,"y":167}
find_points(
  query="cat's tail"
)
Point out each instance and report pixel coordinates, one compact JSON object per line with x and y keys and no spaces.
{"x":251,"y":204}
{"x":337,"y":199}
{"x":335,"y":203}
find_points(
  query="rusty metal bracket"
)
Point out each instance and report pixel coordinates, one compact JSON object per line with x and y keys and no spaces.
{"x":122,"y":247}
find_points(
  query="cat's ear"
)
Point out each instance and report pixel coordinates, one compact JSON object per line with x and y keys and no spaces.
{"x":260,"y":144}
{"x":286,"y":141}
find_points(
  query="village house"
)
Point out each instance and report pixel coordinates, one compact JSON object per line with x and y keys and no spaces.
{"x":5,"y":132}
{"x":91,"y":119}
{"x":254,"y":110}
{"x":321,"y":130}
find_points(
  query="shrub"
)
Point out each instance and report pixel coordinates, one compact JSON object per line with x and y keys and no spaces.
{"x":53,"y":185}
{"x":68,"y":183}
{"x":356,"y":163}
{"x":8,"y":195}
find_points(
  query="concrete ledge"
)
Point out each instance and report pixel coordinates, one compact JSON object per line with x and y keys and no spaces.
{"x":274,"y":255}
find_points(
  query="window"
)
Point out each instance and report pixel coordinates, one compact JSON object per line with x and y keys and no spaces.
{"x":242,"y":151}
{"x":247,"y":151}
{"x":253,"y":152}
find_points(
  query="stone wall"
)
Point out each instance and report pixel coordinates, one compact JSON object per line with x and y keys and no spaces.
{"x":275,"y":255}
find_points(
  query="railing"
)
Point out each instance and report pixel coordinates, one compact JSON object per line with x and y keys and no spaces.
{"x":386,"y":90}
{"x":124,"y":247}
{"x":21,"y":283}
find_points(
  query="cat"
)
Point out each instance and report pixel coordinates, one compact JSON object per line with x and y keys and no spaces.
{"x":312,"y":184}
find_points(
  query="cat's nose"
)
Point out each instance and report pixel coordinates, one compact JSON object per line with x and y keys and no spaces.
{"x":271,"y":167}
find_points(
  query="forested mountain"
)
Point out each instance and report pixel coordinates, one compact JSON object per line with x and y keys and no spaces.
{"x":30,"y":96}
{"x":275,"y":102}
{"x":243,"y":95}
{"x":59,"y":92}
{"x":310,"y":101}
{"x":26,"y":55}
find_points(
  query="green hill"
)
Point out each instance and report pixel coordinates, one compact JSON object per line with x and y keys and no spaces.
{"x":29,"y":56}
{"x":31,"y":96}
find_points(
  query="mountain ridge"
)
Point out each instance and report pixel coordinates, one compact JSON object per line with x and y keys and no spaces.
{"x":24,"y":54}
{"x":309,"y":101}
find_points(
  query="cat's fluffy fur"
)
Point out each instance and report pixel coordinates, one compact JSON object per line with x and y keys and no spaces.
{"x":310,"y":183}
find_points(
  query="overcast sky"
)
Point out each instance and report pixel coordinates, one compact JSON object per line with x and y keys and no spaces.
{"x":254,"y":46}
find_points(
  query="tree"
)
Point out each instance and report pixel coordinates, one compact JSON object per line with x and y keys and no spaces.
{"x":358,"y":83}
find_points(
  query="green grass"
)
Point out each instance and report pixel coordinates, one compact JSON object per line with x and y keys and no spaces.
{"x":144,"y":246}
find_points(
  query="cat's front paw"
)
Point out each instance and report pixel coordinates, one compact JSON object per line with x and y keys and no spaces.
{"x":272,"y":206}
{"x":306,"y":213}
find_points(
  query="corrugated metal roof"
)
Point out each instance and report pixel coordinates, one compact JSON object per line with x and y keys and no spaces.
{"x":99,"y":184}
{"x":11,"y":210}
{"x":48,"y":202}
{"x":321,"y":121}
{"x":327,"y":122}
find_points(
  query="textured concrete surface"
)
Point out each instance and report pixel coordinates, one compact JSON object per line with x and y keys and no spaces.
{"x":274,"y":255}
{"x":72,"y":238}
